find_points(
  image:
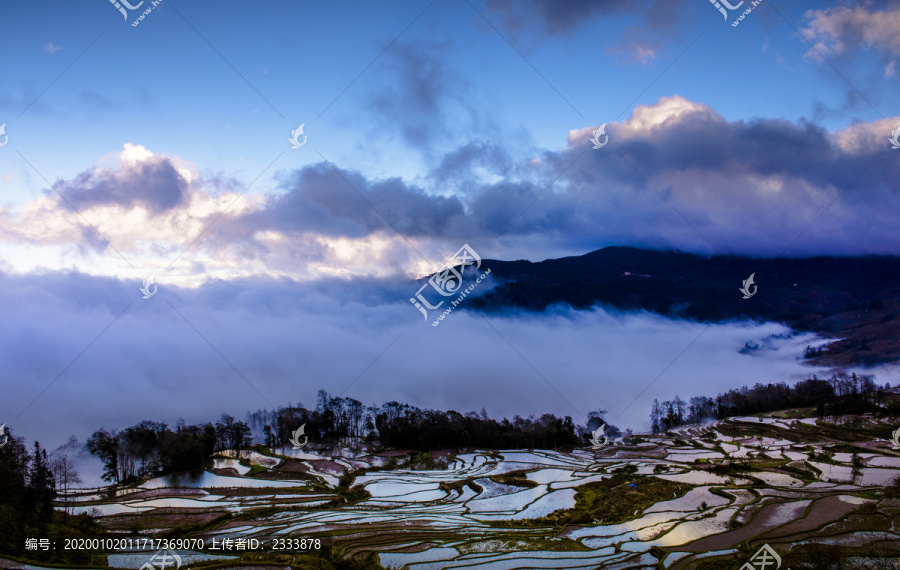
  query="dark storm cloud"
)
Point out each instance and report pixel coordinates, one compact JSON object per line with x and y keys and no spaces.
{"x":321,"y":199}
{"x":748,"y":187}
{"x":762,"y":147}
{"x":154,"y":184}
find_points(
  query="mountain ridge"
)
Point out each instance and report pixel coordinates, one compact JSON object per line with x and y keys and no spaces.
{"x":856,"y":299}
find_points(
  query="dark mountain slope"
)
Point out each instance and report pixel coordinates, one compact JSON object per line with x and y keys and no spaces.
{"x":857,"y":298}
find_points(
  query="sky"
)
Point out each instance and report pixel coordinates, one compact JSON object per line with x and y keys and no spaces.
{"x":149,"y":150}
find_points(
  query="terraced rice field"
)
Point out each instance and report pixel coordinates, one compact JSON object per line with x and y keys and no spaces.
{"x":695,"y":496}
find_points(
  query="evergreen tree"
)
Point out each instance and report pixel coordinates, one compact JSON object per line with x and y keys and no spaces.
{"x":41,"y":489}
{"x":655,"y":417}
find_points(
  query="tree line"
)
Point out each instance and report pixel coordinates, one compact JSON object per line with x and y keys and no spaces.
{"x":151,"y":448}
{"x":405,"y":426}
{"x":842,"y":393}
{"x":399,"y":425}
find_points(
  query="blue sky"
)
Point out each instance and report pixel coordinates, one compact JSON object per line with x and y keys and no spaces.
{"x":162,"y":149}
{"x":162,"y":86}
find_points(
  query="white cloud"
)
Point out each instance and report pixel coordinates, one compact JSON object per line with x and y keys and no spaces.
{"x":866,"y":137}
{"x":838,"y":30}
{"x":667,"y":111}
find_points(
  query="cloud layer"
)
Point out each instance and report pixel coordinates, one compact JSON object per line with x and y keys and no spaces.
{"x":674,"y":175}
{"x":250,"y":344}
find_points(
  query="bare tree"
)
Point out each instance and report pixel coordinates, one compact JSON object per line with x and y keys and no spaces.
{"x":65,"y":474}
